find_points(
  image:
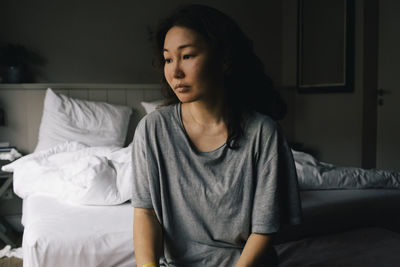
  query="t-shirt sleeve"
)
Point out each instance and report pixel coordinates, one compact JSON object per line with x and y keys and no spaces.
{"x":276,"y":199}
{"x":141,"y":196}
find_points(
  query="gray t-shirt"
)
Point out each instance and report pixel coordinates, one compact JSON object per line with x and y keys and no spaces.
{"x":208,"y":203}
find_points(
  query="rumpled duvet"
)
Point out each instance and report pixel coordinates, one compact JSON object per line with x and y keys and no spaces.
{"x":315,"y":175}
{"x":75,"y":173}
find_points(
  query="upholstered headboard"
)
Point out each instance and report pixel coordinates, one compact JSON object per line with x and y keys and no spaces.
{"x":23,"y":106}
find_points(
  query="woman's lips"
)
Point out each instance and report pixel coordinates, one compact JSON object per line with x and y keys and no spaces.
{"x":182,"y":88}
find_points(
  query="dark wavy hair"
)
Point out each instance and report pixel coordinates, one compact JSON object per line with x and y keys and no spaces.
{"x":247,"y":87}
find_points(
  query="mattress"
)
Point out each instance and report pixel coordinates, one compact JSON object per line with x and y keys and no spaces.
{"x":60,"y":234}
{"x":333,"y":211}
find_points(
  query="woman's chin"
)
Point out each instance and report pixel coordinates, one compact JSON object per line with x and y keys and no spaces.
{"x":187,"y":98}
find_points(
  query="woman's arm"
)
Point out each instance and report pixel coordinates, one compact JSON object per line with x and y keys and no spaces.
{"x":255,"y":250}
{"x":147,"y":237}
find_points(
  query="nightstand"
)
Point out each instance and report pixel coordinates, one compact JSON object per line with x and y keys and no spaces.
{"x":6,"y":232}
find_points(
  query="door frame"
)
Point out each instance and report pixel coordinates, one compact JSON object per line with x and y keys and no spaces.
{"x":370,"y":83}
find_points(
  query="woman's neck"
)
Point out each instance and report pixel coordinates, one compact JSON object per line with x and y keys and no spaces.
{"x":210,"y":113}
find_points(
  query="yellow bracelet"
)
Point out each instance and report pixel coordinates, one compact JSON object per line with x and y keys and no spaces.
{"x":149,"y":264}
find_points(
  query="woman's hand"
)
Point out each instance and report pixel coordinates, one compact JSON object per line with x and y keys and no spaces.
{"x":255,"y":251}
{"x":147,"y":237}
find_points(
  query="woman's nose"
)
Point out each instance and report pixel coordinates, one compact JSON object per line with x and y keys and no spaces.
{"x":178,"y":72}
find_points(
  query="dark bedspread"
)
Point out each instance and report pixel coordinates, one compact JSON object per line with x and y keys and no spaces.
{"x":365,"y":247}
{"x":333,"y":211}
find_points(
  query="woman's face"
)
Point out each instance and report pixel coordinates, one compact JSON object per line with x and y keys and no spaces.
{"x":191,"y":68}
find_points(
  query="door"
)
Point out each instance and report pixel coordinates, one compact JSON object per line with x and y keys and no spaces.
{"x":388,"y":125}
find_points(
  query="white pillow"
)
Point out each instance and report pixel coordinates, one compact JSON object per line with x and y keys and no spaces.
{"x":91,"y":123}
{"x":151,"y":106}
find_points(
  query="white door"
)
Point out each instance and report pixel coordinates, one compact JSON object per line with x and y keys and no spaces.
{"x":388,"y":127}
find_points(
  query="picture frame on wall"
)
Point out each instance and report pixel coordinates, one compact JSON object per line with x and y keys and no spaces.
{"x":325,"y":46}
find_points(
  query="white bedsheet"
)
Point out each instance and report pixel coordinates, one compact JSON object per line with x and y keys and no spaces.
{"x":65,"y":235}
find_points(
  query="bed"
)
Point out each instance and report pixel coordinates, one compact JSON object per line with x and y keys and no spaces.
{"x":61,"y":234}
{"x":334,"y":211}
{"x":336,"y":198}
{"x":76,"y":209}
{"x":359,"y":247}
{"x":102,"y":236}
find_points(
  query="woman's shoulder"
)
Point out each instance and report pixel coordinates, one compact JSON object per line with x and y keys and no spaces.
{"x":161,"y":112}
{"x":262,"y":130}
{"x":161,"y":116}
{"x":260,"y":122}
{"x":265,"y":134}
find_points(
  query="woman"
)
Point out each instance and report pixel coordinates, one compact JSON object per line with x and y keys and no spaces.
{"x":213,"y":179}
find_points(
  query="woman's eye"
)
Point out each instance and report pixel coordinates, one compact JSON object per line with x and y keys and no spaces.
{"x":167,"y":60}
{"x":187,"y":56}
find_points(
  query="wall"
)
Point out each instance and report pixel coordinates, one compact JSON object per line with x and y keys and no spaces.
{"x":329,"y":124}
{"x":106,"y":41}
